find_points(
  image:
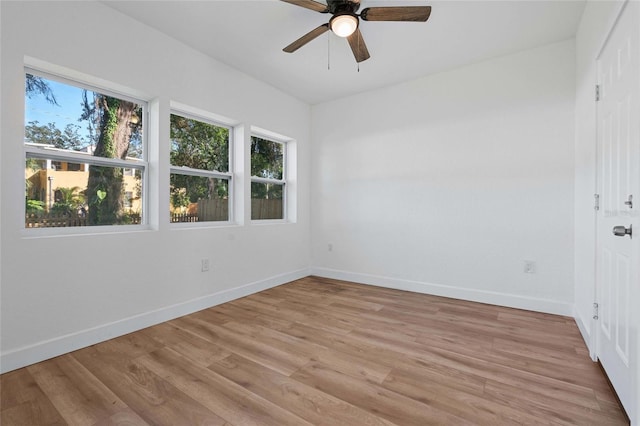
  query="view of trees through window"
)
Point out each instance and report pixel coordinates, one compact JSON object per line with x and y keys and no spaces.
{"x":199,"y":182}
{"x":68,"y":129}
{"x":267,"y":183}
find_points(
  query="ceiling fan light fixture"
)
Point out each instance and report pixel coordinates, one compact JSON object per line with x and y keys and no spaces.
{"x":344,"y":25}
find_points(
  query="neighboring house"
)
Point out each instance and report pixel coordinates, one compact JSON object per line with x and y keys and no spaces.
{"x":49,"y":175}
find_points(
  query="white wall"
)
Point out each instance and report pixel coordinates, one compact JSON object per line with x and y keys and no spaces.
{"x":60,"y":293}
{"x":446,"y":184}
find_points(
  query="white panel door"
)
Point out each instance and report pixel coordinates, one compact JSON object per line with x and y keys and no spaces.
{"x":618,"y":256}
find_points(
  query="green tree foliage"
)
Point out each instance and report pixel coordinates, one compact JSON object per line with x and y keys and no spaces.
{"x":267,"y":161}
{"x":267,"y":158}
{"x":198,"y":145}
{"x":69,"y":138}
{"x":68,"y":201}
{"x":35,"y":206}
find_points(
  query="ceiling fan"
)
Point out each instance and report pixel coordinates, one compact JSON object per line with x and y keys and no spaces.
{"x":345,"y":21}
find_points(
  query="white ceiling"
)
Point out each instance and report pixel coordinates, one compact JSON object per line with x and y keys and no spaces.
{"x":250,"y":35}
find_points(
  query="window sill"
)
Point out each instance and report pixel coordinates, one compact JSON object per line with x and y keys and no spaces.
{"x":262,"y":222}
{"x":201,"y":225}
{"x":61,"y":232}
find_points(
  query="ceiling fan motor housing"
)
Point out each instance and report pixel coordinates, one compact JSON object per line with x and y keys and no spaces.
{"x":340,"y":7}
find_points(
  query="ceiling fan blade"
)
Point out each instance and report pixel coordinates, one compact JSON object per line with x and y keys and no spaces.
{"x":358,"y":46}
{"x":309,"y":4}
{"x":400,"y":13}
{"x":306,"y":38}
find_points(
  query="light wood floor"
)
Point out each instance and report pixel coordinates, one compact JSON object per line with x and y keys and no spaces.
{"x":319,"y":351}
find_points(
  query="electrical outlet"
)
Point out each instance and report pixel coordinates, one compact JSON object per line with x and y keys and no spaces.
{"x":529,"y":267}
{"x":330,"y":247}
{"x":205,"y":265}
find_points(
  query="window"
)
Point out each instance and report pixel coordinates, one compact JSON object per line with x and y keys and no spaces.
{"x":128,"y":199}
{"x":267,"y":179}
{"x":78,"y":143}
{"x":74,"y":167}
{"x":200,"y":170}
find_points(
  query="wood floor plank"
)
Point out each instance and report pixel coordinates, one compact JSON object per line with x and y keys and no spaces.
{"x":468,"y":364}
{"x":246,"y":346}
{"x":341,"y":343}
{"x":306,"y":351}
{"x":147,"y":394}
{"x":564,"y":391}
{"x":389,"y":405}
{"x":130,"y":346}
{"x":230,"y":400}
{"x":436,"y":333}
{"x":23,"y":402}
{"x":324,"y":351}
{"x":357,"y":319}
{"x":561,"y":373}
{"x":302,"y":315}
{"x":306,"y":402}
{"x":238,"y":311}
{"x":297,"y":294}
{"x":541,"y":354}
{"x":440,"y":375}
{"x":346,"y":363}
{"x":75,"y":392}
{"x":31,"y":413}
{"x":546,"y":407}
{"x":475,"y":408}
{"x":298,"y":350}
{"x":126,"y":417}
{"x":198,"y":350}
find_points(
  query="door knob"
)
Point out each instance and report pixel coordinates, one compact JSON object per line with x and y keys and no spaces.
{"x":621,"y":231}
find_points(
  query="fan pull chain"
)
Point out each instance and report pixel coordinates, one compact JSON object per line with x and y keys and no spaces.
{"x":358,"y":62}
{"x":329,"y":52}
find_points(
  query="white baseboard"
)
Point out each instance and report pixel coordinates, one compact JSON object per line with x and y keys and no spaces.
{"x":482,"y":296}
{"x":41,"y":351}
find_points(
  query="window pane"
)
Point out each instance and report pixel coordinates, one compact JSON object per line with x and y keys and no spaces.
{"x":199,"y":199}
{"x":70,"y":119}
{"x":267,"y":158}
{"x":199,"y":145}
{"x":88,"y":196}
{"x":266,"y":201}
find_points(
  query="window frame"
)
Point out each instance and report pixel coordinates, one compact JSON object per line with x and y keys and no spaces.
{"x":56,"y":154}
{"x":211,"y":119}
{"x":283,"y":181}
